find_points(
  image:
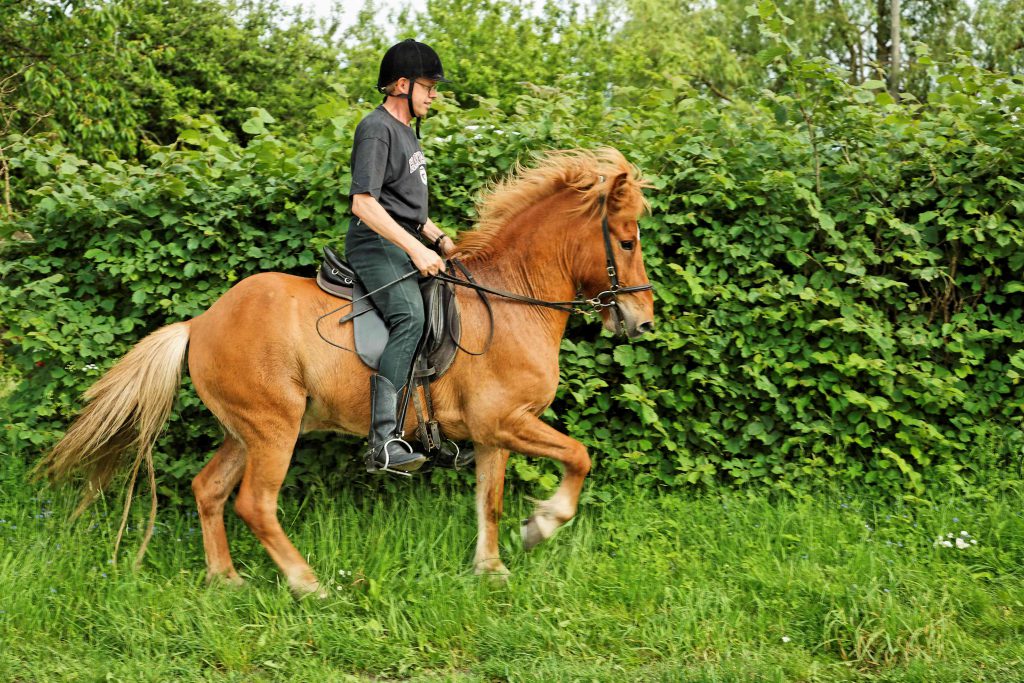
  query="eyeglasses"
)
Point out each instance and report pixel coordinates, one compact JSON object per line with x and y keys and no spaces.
{"x":431,"y":87}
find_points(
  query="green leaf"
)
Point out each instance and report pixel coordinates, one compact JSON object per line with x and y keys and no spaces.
{"x":254,"y":126}
{"x":797,"y":258}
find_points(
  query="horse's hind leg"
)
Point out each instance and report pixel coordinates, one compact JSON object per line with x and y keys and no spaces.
{"x":268,"y":453}
{"x":212,"y":486}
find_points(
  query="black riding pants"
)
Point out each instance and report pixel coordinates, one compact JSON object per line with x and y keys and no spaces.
{"x":377,"y":262}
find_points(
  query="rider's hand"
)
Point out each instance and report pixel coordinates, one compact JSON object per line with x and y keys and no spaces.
{"x":447,"y":245}
{"x":427,"y":261}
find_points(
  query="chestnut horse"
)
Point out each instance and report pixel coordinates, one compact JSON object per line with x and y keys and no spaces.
{"x":258,"y":364}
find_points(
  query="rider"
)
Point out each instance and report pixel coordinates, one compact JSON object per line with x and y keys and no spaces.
{"x":389,"y":207}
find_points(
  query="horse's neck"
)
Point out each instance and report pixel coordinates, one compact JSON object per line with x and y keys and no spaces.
{"x":532,"y":260}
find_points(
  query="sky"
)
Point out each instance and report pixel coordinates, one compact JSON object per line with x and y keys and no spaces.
{"x":349,"y":8}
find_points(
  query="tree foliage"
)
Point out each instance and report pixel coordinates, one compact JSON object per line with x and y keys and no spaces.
{"x":113,"y":77}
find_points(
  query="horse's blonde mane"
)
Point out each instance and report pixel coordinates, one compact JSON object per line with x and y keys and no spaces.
{"x":589,"y":172}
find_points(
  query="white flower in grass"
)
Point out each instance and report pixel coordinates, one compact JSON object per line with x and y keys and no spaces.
{"x":951,"y":540}
{"x":786,"y":639}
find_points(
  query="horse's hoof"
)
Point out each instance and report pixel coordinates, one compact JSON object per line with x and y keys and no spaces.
{"x":496,"y":579}
{"x":493,"y":571}
{"x":231,"y":580}
{"x":310,"y":590}
{"x":534,"y":530}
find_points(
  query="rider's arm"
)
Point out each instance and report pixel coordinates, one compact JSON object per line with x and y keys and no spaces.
{"x":431,"y":233}
{"x":369,"y":211}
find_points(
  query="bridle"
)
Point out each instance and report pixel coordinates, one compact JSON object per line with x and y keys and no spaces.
{"x":613,"y":271}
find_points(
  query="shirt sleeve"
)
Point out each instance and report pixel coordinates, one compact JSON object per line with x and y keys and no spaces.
{"x":369,"y":165}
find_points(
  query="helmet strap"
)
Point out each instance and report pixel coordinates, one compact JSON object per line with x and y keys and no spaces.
{"x":412,"y":112}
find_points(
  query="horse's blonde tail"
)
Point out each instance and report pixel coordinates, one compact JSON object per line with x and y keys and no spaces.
{"x":127,"y":409}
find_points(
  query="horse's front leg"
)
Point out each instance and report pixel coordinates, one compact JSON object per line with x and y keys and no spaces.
{"x":526,"y":433}
{"x":490,"y":490}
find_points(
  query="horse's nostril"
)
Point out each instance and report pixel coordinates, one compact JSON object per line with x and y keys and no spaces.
{"x":645,"y":327}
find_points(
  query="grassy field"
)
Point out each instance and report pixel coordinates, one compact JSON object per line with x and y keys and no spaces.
{"x":711,"y":587}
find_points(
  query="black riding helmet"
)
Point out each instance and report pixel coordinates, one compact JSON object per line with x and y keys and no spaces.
{"x":410,"y":59}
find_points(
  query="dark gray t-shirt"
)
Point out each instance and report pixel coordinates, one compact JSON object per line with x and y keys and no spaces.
{"x":388,"y":164}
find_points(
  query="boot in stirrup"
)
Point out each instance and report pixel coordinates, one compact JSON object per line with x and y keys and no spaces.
{"x":387,"y":449}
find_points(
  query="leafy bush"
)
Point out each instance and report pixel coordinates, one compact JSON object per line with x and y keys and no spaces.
{"x":836,"y":273}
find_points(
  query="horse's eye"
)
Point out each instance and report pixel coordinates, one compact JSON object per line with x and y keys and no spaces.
{"x":627,"y":245}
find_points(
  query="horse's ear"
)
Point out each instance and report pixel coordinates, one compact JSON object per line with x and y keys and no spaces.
{"x":623,"y":194}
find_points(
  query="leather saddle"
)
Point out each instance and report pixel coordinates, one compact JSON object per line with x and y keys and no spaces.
{"x":442,"y":330}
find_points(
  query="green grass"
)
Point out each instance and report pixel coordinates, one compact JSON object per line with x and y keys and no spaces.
{"x":716,"y":587}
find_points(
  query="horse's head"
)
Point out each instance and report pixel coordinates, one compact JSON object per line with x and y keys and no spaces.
{"x":632,"y":313}
{"x":553,"y":212}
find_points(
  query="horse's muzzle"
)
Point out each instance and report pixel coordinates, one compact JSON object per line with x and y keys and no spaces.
{"x":643,"y":328}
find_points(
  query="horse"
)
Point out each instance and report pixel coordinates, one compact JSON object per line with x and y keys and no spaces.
{"x":565,"y":224}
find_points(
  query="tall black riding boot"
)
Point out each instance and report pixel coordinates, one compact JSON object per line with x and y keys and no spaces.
{"x":387,"y":449}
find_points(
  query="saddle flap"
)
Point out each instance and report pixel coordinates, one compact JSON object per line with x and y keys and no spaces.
{"x":443,"y":327}
{"x":371,"y":334}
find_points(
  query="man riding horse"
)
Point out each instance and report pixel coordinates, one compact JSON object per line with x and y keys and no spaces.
{"x":389,"y":207}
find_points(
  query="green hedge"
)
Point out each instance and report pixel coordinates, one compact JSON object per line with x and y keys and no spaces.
{"x":837,"y":275}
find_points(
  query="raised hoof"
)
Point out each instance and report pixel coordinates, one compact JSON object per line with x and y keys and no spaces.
{"x":534,"y":531}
